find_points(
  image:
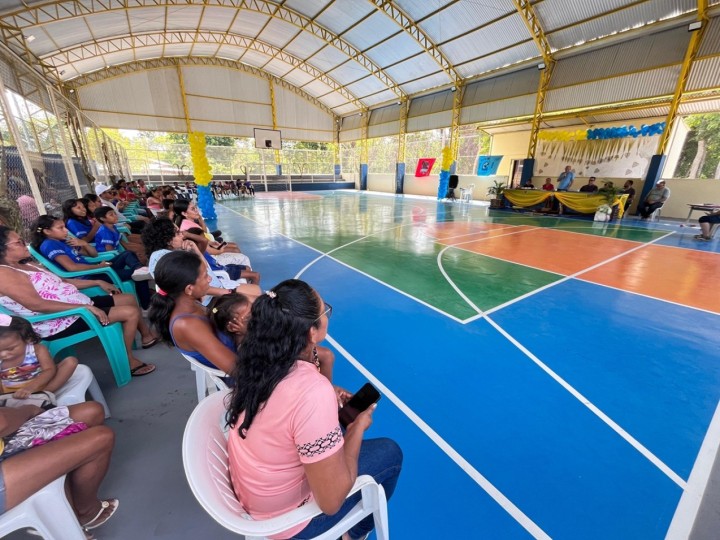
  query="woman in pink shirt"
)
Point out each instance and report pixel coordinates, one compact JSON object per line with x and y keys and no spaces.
{"x":285,"y":444}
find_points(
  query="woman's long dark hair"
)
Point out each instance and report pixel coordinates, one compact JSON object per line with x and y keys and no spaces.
{"x":174,"y":272}
{"x":277,"y":334}
{"x":38,"y":227}
{"x":180,"y":206}
{"x":157,"y":235}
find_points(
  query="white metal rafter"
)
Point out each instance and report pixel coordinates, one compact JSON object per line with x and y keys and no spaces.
{"x":56,"y":10}
{"x":159,"y":63}
{"x":137,"y":41}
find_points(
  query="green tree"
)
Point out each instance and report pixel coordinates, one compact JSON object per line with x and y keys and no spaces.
{"x":700,"y":156}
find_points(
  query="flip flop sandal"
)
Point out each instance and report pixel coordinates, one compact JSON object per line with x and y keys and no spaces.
{"x":99,"y":520}
{"x":135,"y":371}
{"x":150,"y":343}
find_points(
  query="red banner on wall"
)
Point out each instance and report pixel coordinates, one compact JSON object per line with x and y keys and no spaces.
{"x":424,"y":166}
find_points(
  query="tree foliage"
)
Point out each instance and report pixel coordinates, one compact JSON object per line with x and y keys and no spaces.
{"x":700,"y":155}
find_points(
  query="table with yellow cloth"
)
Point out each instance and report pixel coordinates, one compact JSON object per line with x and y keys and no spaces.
{"x":584,"y":203}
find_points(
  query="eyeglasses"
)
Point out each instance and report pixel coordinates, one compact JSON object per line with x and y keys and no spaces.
{"x":328,"y":312}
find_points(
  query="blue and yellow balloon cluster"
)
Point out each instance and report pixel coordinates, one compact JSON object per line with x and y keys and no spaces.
{"x":602,"y":134}
{"x":624,"y":131}
{"x":201,"y":172}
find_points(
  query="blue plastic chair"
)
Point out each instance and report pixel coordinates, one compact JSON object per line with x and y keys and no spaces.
{"x":125,"y":286}
{"x":110,"y":336}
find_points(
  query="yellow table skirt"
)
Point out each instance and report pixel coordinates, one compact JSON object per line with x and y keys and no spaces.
{"x":584,"y":203}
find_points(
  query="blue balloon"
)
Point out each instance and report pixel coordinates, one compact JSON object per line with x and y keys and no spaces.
{"x":206,"y":203}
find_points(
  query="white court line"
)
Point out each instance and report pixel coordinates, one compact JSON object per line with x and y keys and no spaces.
{"x":441,"y":240}
{"x":687,"y":509}
{"x":452,"y":283}
{"x":585,"y":401}
{"x":403,"y":293}
{"x":579,"y":273}
{"x":648,"y":296}
{"x":505,"y":503}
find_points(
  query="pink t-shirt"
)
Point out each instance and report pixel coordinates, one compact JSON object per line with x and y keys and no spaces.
{"x":298,"y":424}
{"x":186,"y":224}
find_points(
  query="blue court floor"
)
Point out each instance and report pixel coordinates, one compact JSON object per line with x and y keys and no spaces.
{"x":535,"y":395}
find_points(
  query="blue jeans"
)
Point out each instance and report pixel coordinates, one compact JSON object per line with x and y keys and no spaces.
{"x":381,"y":459}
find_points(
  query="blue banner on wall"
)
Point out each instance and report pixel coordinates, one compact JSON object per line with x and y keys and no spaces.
{"x":488,"y":165}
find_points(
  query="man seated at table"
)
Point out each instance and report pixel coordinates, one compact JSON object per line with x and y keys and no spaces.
{"x":706,"y":223}
{"x":654,"y":200}
{"x":590,"y":187}
{"x":548,"y":185}
{"x":630,"y":192}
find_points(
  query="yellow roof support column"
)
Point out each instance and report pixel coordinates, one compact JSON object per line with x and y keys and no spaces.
{"x":455,"y":124}
{"x":533,"y":24}
{"x":690,"y":55}
{"x":273,"y":110}
{"x":402,"y":129}
{"x":184,"y":98}
{"x":365,"y":114}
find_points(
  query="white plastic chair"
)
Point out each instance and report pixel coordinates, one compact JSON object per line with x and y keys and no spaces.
{"x":205,"y":460}
{"x":466,"y":193}
{"x":655,"y":216}
{"x":47,"y":511}
{"x":81,"y":381}
{"x":207,"y":380}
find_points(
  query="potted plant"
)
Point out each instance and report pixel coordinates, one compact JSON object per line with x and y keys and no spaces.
{"x":496,"y":192}
{"x":610,"y":193}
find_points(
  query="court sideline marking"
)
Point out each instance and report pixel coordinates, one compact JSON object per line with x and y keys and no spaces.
{"x":505,"y":503}
{"x":562,"y":382}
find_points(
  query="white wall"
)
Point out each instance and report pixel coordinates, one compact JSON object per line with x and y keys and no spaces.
{"x":428,"y":185}
{"x":511,"y":146}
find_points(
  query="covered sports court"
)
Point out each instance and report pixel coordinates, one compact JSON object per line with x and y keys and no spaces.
{"x":546,"y":376}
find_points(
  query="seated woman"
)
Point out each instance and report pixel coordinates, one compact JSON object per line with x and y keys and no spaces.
{"x":50,"y":237}
{"x":177,"y":316}
{"x":162,"y":237}
{"x":83,"y":456}
{"x":154,"y":200}
{"x":285,"y":443}
{"x":29,"y":289}
{"x":78,"y":221}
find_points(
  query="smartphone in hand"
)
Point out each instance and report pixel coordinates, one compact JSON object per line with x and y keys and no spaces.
{"x":221,"y":245}
{"x":360,"y":401}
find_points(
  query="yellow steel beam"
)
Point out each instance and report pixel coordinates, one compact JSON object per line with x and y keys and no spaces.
{"x":186,"y":111}
{"x":417,"y":33}
{"x":365,"y":116}
{"x":273,"y":110}
{"x":402,"y":130}
{"x":530,"y":18}
{"x":455,"y":123}
{"x":160,"y":63}
{"x":690,"y":55}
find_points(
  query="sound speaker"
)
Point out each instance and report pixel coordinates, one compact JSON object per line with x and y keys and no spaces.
{"x":454,"y":180}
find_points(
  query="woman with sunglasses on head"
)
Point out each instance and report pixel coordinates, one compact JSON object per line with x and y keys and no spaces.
{"x":187,"y":216}
{"x":177,"y":314}
{"x":29,"y":289}
{"x":285,"y":443}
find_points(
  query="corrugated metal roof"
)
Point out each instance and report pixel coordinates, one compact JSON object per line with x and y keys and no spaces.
{"x":463,"y":17}
{"x":705,"y":74}
{"x":497,"y":110}
{"x":699,"y":107}
{"x":499,"y":35}
{"x":506,"y":86}
{"x":617,"y":89}
{"x":638,"y":54}
{"x":385,"y":114}
{"x":378,"y":58}
{"x":711,"y":40}
{"x":441,"y":101}
{"x":659,"y":112}
{"x":619,"y":21}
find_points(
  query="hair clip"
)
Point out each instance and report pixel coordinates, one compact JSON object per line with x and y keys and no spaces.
{"x":271,"y":294}
{"x":5,"y":320}
{"x":214,"y":310}
{"x":161,"y":292}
